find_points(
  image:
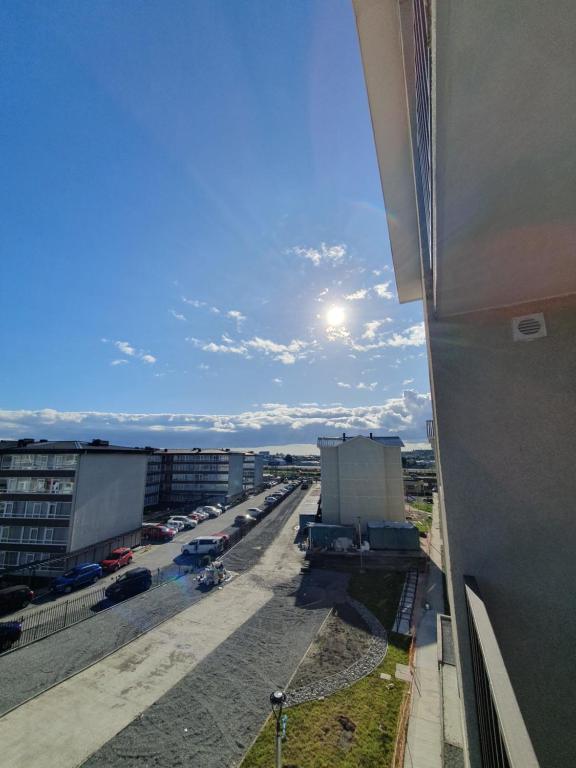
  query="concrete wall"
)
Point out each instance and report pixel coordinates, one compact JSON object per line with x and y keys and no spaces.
{"x":109,"y":496}
{"x":235,"y":474}
{"x":258,"y":470}
{"x":361,"y":478}
{"x":505,"y":419}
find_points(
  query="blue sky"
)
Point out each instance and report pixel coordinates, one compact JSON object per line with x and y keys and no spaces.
{"x":187,"y":189}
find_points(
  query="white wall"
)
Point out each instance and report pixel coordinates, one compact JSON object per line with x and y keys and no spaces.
{"x":109,"y":496}
{"x":361,"y":478}
{"x":235,"y":474}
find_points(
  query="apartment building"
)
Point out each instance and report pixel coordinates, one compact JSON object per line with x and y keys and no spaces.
{"x":197,"y":476}
{"x":361,"y":479}
{"x":57,"y":497}
{"x":153,"y":481}
{"x":473,"y":107}
{"x":253,"y":472}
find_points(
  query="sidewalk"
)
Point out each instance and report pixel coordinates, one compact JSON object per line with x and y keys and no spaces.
{"x":424,"y":740}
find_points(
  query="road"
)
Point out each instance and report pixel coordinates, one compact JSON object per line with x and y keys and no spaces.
{"x":192,"y":691}
{"x":156,"y":555}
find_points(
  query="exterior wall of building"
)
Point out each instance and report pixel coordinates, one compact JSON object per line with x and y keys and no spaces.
{"x":200,"y":477}
{"x":109,"y":496}
{"x":505,"y":424}
{"x":153,"y":481}
{"x":361,"y":478}
{"x":253,"y":470}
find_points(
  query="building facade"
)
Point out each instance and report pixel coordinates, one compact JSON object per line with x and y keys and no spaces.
{"x":153,"y":481}
{"x":361,"y":478}
{"x":57,"y":497}
{"x":253,"y":472}
{"x":473,"y":106}
{"x":196,"y":476}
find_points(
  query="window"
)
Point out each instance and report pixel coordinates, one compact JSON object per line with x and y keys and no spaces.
{"x":6,"y":508}
{"x":37,"y":509}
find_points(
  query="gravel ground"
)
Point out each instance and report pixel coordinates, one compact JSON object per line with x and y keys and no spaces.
{"x":344,"y":639}
{"x":32,"y":669}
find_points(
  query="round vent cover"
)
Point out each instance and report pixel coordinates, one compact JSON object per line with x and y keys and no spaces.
{"x":528,"y":327}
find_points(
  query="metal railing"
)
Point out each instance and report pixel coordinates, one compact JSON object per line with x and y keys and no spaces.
{"x":504,"y":739}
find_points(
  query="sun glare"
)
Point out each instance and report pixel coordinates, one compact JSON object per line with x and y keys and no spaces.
{"x":335,"y":317}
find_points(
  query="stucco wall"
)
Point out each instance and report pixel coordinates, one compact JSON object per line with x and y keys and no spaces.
{"x":235,"y":473}
{"x":505,"y":418}
{"x":109,"y":496}
{"x":361,"y":478}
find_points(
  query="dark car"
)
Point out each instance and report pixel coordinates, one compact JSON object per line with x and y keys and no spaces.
{"x":130,"y":583}
{"x":79,"y":576}
{"x":13,"y":598}
{"x":10,"y":632}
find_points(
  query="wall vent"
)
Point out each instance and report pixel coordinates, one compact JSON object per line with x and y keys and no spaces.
{"x":529,"y":327}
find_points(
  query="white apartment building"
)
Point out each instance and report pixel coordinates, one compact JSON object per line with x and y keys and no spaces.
{"x":57,"y":497}
{"x":473,"y":106}
{"x":253,"y":472}
{"x":361,"y":479}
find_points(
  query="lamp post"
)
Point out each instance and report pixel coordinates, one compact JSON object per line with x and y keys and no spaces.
{"x":277,"y":700}
{"x":360,"y":544}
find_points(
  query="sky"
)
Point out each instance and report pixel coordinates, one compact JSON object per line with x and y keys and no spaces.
{"x":194,"y":245}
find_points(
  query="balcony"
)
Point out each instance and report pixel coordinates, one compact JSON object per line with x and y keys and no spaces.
{"x":504,"y":740}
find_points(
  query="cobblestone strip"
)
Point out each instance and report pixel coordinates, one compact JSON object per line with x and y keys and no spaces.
{"x":368,"y":663}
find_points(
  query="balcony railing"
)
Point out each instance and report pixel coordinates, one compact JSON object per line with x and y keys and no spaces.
{"x":504,"y":740}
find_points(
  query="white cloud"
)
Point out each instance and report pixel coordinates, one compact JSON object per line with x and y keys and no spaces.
{"x":120,"y":362}
{"x":194,"y":302}
{"x":322,"y":293}
{"x":383,"y":290}
{"x":283,"y":353}
{"x":407,"y":381}
{"x":325,"y":254}
{"x":204,"y":367}
{"x":277,"y":380}
{"x":371,"y":387}
{"x":215,"y":310}
{"x":126,"y":348}
{"x":406,"y":414}
{"x":414,"y":336}
{"x":236,"y":315}
{"x":343,"y":385}
{"x":130,"y":351}
{"x":372,"y":327}
{"x":177,"y":315}
{"x":357,"y":295}
{"x":231,"y":349}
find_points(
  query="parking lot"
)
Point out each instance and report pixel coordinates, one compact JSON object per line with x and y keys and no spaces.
{"x":156,"y":555}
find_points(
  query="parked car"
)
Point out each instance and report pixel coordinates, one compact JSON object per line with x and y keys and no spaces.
{"x":254,"y":511}
{"x":223,"y":535}
{"x":79,"y":576}
{"x":158,"y":533}
{"x":13,"y":598}
{"x":10,"y":632}
{"x":201,"y":514}
{"x":178,"y":525}
{"x":213,"y":511}
{"x":117,"y":559}
{"x":243,"y":519}
{"x":187,"y":522}
{"x":204,"y":545}
{"x":130,"y":583}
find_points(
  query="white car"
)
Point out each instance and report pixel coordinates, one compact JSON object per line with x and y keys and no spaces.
{"x":187,"y":522}
{"x":213,"y":511}
{"x":175,"y":523}
{"x":204,"y":545}
{"x":200,"y":513}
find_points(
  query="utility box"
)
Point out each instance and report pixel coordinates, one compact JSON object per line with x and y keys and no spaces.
{"x":323,"y":536}
{"x":393,"y":535}
{"x":305,"y":520}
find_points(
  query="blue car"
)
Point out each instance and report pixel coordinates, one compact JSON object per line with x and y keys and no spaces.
{"x":79,"y":576}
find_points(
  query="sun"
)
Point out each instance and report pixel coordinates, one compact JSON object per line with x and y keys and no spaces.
{"x":335,"y":317}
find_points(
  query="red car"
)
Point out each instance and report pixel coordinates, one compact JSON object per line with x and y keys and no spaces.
{"x":117,"y":558}
{"x":225,"y":536}
{"x":158,"y":533}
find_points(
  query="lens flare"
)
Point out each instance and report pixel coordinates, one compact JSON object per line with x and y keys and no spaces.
{"x":335,"y":317}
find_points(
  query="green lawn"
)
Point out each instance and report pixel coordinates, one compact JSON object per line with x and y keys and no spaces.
{"x":315,"y":736}
{"x":423,"y":506}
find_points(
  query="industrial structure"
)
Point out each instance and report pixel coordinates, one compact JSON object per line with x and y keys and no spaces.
{"x":473,"y":107}
{"x":361,"y":479}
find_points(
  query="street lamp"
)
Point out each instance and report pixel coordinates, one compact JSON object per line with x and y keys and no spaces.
{"x":277,"y":700}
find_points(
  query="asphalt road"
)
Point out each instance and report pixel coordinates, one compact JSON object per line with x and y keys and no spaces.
{"x":34,"y":668}
{"x":156,"y":555}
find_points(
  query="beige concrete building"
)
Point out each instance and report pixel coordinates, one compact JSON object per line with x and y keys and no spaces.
{"x":361,"y":478}
{"x":473,"y":107}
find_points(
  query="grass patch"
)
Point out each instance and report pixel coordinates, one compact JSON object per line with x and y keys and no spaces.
{"x":357,"y":725}
{"x":423,"y":506}
{"x":422,"y":525}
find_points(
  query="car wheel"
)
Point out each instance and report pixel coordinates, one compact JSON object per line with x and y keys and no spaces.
{"x":129,"y":561}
